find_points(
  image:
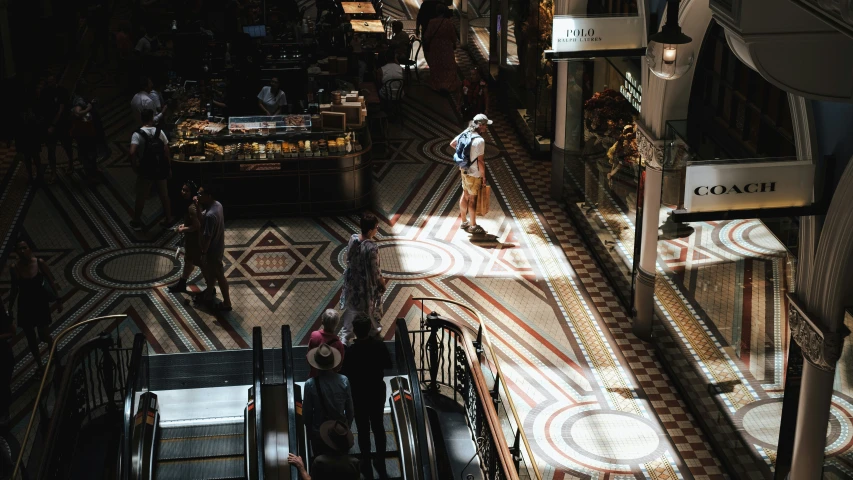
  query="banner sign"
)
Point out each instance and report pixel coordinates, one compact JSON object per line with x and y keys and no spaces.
{"x":740,"y":186}
{"x":581,"y":34}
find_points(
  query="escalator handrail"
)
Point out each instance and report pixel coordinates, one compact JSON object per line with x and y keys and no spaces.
{"x":37,"y":400}
{"x":424,"y":442}
{"x":129,"y":403}
{"x":290,"y":384}
{"x":257,"y":382}
{"x":472,"y":358}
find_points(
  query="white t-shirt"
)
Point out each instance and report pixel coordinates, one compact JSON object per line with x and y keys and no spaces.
{"x":135,"y":139}
{"x":143,"y":45}
{"x":390,"y":71}
{"x":143,"y":101}
{"x":478,"y":147}
{"x":270,"y":101}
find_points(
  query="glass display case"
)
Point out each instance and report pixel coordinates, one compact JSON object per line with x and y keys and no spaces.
{"x":227,"y":148}
{"x":266,"y":125}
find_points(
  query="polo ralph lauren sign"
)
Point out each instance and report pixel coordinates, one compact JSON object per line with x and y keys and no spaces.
{"x":716,"y":186}
{"x":580,"y":34}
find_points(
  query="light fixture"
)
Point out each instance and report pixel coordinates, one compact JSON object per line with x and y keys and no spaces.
{"x":670,"y":53}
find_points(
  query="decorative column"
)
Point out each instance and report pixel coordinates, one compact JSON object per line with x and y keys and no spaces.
{"x":568,"y":108}
{"x":821,"y":351}
{"x":651,"y":153}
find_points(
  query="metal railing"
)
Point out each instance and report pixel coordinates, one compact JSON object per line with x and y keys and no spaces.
{"x":257,"y":382}
{"x":94,"y":391}
{"x":454,"y":356}
{"x":137,"y":382}
{"x":287,"y":366}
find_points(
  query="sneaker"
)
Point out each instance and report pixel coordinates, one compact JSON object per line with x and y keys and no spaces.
{"x":476,"y":230}
{"x":465,"y":226}
{"x":136,"y":226}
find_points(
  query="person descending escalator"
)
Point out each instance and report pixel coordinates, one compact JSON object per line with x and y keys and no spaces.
{"x":336,"y":463}
{"x":327,"y":335}
{"x":326,"y":396}
{"x":365,"y":364}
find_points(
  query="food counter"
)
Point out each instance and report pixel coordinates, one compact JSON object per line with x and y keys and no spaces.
{"x":275,"y":165}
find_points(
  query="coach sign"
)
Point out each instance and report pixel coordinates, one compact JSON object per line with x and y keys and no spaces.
{"x":715,"y":187}
{"x":581,"y":34}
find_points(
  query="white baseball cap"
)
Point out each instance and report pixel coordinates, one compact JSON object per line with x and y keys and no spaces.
{"x":481,"y":119}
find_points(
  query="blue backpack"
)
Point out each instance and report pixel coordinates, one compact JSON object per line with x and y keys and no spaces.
{"x":462,"y":157}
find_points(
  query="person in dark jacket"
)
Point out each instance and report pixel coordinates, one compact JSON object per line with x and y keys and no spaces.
{"x":428,"y":11}
{"x":364,"y":365}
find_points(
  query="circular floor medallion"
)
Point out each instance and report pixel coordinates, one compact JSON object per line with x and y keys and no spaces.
{"x":613,"y":437}
{"x":135,"y":268}
{"x":759,"y":422}
{"x":405,"y":260}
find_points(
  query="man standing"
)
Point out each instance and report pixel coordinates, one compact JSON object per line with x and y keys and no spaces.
{"x":364,"y":365}
{"x":271,"y":99}
{"x":474,"y":174}
{"x":143,"y":101}
{"x":213,"y":247}
{"x":151,"y":160}
{"x":54,"y":112}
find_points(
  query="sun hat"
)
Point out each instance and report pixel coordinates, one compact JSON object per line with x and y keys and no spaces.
{"x":324,"y":357}
{"x":481,"y":119}
{"x":336,"y":435}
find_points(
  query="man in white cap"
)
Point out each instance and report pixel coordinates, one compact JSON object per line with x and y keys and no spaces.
{"x":326,"y":396}
{"x":474,"y":176}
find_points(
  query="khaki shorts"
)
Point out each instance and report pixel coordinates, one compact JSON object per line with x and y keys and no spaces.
{"x":471,"y":185}
{"x":213,"y":265}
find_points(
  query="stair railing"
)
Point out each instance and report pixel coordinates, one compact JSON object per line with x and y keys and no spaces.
{"x":455,"y":356}
{"x":70,"y":367}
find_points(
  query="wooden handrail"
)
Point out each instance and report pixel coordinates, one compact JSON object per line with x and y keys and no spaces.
{"x":44,"y":379}
{"x":477,"y":374}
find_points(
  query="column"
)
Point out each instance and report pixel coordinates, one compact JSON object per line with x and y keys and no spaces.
{"x":821,"y":351}
{"x":558,"y":146}
{"x":644,"y":287}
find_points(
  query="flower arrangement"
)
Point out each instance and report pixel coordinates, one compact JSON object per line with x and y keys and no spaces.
{"x":607,"y":113}
{"x":624,"y":152}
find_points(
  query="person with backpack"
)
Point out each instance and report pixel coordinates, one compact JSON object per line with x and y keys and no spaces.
{"x":151,"y":161}
{"x":469,"y":157}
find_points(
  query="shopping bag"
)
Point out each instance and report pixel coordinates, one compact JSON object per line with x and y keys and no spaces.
{"x":483,"y":199}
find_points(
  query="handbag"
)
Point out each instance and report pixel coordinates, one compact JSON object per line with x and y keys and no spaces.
{"x":47,"y":290}
{"x":484,"y":197}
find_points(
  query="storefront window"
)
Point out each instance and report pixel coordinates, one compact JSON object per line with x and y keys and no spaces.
{"x":603,"y":172}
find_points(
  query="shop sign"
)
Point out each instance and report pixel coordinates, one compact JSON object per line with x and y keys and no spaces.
{"x":581,"y":34}
{"x":632,"y":90}
{"x":741,"y":186}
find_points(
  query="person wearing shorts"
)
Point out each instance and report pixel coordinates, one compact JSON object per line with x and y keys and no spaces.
{"x":473,"y":177}
{"x":149,"y":175}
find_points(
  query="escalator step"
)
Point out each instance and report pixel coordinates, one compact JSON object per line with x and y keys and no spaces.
{"x":205,"y":469}
{"x":195,"y":431}
{"x":201,"y":447}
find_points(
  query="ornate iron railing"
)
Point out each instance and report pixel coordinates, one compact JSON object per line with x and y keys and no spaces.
{"x":452,"y":356}
{"x":93,"y":380}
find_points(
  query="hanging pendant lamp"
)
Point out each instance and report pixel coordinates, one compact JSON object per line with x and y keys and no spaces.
{"x":670,"y":52}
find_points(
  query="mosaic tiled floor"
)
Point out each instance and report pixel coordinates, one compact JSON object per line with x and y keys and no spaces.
{"x":722,"y":293}
{"x":593,"y":399}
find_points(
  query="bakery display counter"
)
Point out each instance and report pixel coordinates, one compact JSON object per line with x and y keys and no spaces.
{"x":292,"y":173}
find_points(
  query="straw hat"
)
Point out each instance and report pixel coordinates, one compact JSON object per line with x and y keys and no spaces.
{"x":324,"y":357}
{"x":336,"y":435}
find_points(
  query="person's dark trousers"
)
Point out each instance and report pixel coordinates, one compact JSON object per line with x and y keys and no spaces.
{"x":32,"y":160}
{"x":59,"y":136}
{"x":7,"y":365}
{"x":369,"y":415}
{"x":87,"y":151}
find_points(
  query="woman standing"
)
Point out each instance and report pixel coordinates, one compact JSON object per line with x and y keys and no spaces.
{"x":190,"y":228}
{"x":363,"y":280}
{"x":34,"y":287}
{"x":439,"y":43}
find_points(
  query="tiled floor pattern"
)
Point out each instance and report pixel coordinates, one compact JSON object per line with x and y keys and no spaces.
{"x":722,"y":290}
{"x":592,"y":398}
